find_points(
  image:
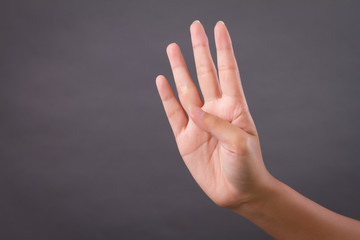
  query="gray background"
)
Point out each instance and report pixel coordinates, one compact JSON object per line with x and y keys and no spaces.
{"x":86,"y":151}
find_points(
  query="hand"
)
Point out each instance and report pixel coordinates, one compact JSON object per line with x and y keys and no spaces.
{"x":220,"y":146}
{"x":219,"y":142}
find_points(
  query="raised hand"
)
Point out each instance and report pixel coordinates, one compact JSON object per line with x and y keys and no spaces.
{"x":218,"y":142}
{"x":220,"y":146}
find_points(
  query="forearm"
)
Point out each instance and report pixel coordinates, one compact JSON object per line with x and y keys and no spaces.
{"x":285,"y":214}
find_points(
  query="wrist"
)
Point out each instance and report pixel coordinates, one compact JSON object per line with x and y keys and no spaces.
{"x":268,"y":189}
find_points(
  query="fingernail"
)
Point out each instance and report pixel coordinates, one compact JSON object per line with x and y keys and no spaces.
{"x":196,"y":21}
{"x":220,"y":22}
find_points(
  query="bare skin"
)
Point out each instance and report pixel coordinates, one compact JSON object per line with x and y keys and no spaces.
{"x":220,"y":146}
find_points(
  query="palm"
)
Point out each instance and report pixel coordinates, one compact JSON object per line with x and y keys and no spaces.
{"x":197,"y":143}
{"x":218,"y":169}
{"x":206,"y":157}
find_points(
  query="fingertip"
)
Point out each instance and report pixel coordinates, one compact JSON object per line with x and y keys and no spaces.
{"x":160,"y":81}
{"x":158,"y":78}
{"x":195,"y":111}
{"x":220,"y":25}
{"x":171,"y":47}
{"x":220,"y":22}
{"x":196,"y":28}
{"x":222,"y":36}
{"x":194,"y":24}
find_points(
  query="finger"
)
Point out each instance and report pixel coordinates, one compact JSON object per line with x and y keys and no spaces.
{"x":232,"y":137}
{"x":186,"y":88}
{"x":174,"y":112}
{"x":205,"y":67}
{"x":227,"y":66}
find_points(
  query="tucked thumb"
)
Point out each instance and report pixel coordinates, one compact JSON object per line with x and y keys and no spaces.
{"x":223,"y":130}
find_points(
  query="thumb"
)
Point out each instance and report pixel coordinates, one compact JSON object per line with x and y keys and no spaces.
{"x":233,"y":137}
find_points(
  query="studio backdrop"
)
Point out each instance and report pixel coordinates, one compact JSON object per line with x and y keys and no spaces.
{"x":86,"y":151}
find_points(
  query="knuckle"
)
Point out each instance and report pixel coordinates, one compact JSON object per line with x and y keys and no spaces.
{"x":228,"y":49}
{"x":167,"y":98}
{"x":177,"y":67}
{"x":202,"y":44}
{"x":172,"y":114}
{"x":204,"y":70}
{"x":228,"y":68}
